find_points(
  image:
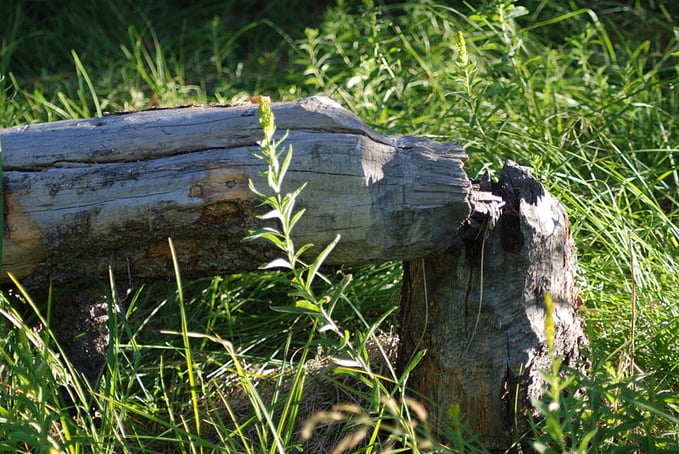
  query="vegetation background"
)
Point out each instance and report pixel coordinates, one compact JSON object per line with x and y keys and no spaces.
{"x":583,"y":92}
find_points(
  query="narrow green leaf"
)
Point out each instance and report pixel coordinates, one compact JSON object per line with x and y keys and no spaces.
{"x":88,"y":81}
{"x":277,"y":263}
{"x":286,"y":162}
{"x":273,"y":214}
{"x":267,"y":234}
{"x":313,"y":269}
{"x":306,"y":304}
{"x":185,"y":339}
{"x":254,"y":190}
{"x":584,"y":444}
{"x":412,"y":364}
{"x":295,"y":310}
{"x":303,"y":249}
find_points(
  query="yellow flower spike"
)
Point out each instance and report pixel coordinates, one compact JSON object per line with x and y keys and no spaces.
{"x":266,"y":118}
{"x":461,"y":45}
{"x":549,"y":322}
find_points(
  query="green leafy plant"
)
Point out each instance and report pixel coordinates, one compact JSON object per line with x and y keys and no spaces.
{"x":320,"y":308}
{"x":601,"y":411}
{"x":585,"y":93}
{"x":44,"y":401}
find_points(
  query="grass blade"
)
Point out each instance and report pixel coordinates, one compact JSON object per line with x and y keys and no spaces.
{"x":185,"y":339}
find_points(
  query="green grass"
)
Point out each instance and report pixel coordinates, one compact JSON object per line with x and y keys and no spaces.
{"x":584,"y":95}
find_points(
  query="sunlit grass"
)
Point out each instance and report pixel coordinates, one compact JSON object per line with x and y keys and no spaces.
{"x":584,"y":94}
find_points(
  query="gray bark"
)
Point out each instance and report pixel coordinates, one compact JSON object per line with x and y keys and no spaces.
{"x":85,"y":194}
{"x":478,"y":310}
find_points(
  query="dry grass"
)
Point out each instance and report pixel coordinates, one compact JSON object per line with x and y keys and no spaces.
{"x":332,"y":408}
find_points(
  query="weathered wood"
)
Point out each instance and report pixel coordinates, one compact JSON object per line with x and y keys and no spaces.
{"x":84,"y":195}
{"x":478,"y":310}
{"x":81,"y":195}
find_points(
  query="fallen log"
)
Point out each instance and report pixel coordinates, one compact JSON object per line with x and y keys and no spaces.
{"x":81,"y":195}
{"x":85,"y":195}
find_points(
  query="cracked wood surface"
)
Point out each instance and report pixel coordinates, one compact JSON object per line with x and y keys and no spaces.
{"x":81,"y":195}
{"x":478,"y":310}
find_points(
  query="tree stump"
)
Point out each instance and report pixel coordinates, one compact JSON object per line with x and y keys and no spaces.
{"x":478,"y":310}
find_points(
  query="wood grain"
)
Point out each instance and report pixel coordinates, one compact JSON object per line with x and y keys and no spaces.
{"x":83,"y":194}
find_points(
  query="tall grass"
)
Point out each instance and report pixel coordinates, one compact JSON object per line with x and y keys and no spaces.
{"x":583,"y":93}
